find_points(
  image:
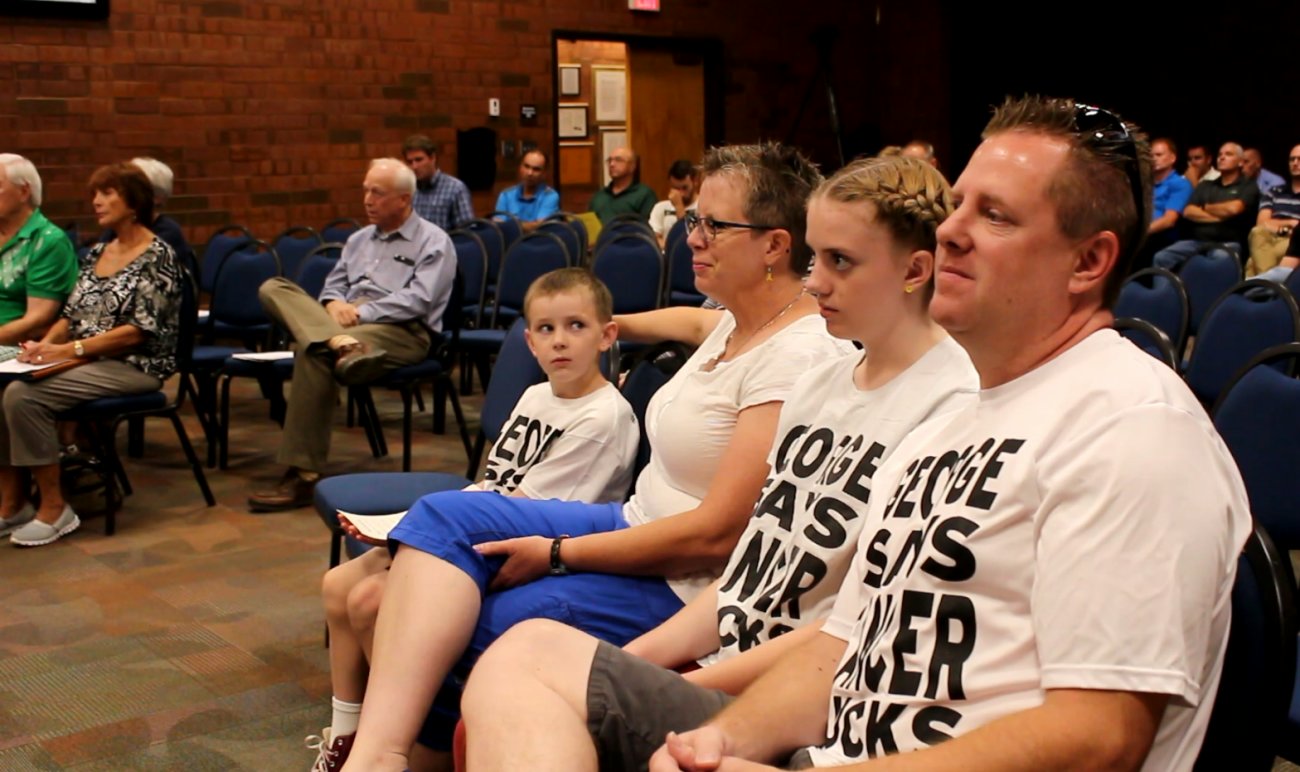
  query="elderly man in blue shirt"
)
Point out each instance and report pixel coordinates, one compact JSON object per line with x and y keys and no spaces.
{"x":532,"y":200}
{"x":378,"y":311}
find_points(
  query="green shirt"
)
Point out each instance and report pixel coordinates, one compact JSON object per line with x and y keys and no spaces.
{"x":38,"y":261}
{"x":635,"y":199}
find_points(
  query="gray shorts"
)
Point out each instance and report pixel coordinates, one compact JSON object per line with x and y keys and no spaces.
{"x":632,"y":705}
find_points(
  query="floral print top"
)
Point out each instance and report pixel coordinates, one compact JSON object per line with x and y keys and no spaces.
{"x":146,"y":293}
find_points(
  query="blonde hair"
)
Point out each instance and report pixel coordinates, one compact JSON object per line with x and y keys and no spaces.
{"x":910,"y":196}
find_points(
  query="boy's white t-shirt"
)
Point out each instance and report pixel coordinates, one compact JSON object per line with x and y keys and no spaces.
{"x":1076,"y":528}
{"x":690,"y":420}
{"x":572,"y":449}
{"x":832,"y":437}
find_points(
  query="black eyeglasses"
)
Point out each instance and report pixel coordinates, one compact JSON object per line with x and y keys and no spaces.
{"x":713,"y":227}
{"x":1103,"y":130}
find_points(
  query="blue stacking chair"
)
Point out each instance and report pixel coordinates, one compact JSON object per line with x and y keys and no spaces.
{"x":311,"y":276}
{"x":681,"y":276}
{"x":293,"y":245}
{"x":227,"y":239}
{"x":101,"y":417}
{"x":337,"y":231}
{"x":515,"y":370}
{"x":1247,"y":319}
{"x":1258,"y":417}
{"x":654,"y":367}
{"x":509,"y":225}
{"x":1249,"y":723}
{"x":471,"y":259}
{"x":530,"y":257}
{"x":1206,"y":278}
{"x":622,"y":228}
{"x":1157,"y":296}
{"x":494,"y":242}
{"x":632,"y":266}
{"x":1149,"y":338}
{"x":574,"y":246}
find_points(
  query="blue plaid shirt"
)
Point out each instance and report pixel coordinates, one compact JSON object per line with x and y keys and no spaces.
{"x":445,"y":202}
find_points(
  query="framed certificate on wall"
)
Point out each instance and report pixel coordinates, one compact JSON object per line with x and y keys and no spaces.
{"x":571,"y":120}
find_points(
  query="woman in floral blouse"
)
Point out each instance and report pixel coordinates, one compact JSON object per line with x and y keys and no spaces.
{"x":122,"y":316}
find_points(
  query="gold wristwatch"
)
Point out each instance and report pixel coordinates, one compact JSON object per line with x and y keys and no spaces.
{"x":78,"y":349}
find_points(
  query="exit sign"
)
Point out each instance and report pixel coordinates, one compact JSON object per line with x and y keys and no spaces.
{"x":644,"y":5}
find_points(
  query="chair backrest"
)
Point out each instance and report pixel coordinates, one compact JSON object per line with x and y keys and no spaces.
{"x":1258,"y":416}
{"x":234,"y":290}
{"x":1247,"y":723}
{"x":1149,"y":338}
{"x":515,"y":370}
{"x":315,"y":268}
{"x":187,"y":324}
{"x":580,"y":227}
{"x":622,"y":227}
{"x":493,"y":240}
{"x":337,"y":231}
{"x":509,"y":225}
{"x":471,"y":260}
{"x":1206,"y":278}
{"x":1158,"y":296}
{"x":573,"y":244}
{"x":654,"y":367}
{"x":632,"y":266}
{"x":293,"y":244}
{"x":1249,"y":318}
{"x":530,"y":257}
{"x":625,"y":217}
{"x":227,"y":239}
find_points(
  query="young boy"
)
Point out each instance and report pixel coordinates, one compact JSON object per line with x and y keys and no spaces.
{"x":573,"y":437}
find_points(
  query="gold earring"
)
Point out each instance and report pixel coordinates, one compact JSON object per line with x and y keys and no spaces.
{"x":769,"y":273}
{"x":908,"y":288}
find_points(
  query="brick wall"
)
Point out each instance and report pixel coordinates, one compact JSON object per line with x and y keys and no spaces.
{"x":268,"y":110}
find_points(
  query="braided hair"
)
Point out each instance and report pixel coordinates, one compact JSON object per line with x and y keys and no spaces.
{"x":911,"y":197}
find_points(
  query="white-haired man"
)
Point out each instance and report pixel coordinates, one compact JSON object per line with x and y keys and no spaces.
{"x":38,"y":267}
{"x":379,"y":310}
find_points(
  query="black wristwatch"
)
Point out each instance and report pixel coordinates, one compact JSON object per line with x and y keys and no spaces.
{"x":557,"y":566}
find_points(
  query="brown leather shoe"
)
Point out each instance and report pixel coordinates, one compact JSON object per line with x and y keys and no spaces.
{"x":359,"y":363}
{"x":292,"y":492}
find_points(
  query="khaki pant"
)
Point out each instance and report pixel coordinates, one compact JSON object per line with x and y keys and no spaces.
{"x":1266,"y":250}
{"x":313,"y":394}
{"x":28,"y":436}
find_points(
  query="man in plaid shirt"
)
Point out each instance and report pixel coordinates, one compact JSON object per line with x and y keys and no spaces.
{"x":439,"y":197}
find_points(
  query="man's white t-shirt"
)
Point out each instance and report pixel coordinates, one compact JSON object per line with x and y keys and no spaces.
{"x":690,"y":420}
{"x":572,"y":449}
{"x":1076,"y":528}
{"x":664,"y":216}
{"x":832,"y":437}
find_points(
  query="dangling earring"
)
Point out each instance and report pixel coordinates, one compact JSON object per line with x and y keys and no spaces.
{"x":769,"y":273}
{"x":908,"y":288}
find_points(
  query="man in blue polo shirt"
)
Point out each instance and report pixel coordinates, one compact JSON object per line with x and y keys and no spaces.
{"x":1279,"y":214}
{"x":1172,"y":190}
{"x":532,"y":200}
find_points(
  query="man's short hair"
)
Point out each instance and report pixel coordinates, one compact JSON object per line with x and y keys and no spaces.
{"x":1092,"y":192}
{"x":22,"y":172}
{"x":1167,"y":142}
{"x":779,"y":180}
{"x":570,"y":279}
{"x":160,"y":177}
{"x":923,"y":146}
{"x":131,"y":184}
{"x":681,"y":169}
{"x":421,"y":142}
{"x":403,"y":177}
{"x":536,"y":151}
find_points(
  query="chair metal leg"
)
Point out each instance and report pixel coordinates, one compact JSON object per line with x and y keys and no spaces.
{"x":440,"y":389}
{"x":368,"y":417}
{"x":223,"y":444}
{"x":107,"y":442}
{"x":183,"y":437}
{"x":352,"y":410}
{"x":373,"y":412}
{"x":475,"y":456}
{"x":408,"y":392}
{"x":419,"y":398}
{"x":135,"y":437}
{"x":450,"y":390}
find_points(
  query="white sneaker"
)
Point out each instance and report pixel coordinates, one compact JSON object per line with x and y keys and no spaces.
{"x":36,"y":533}
{"x":19,"y":518}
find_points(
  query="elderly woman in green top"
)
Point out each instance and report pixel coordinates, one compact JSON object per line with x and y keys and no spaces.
{"x":38,"y":266}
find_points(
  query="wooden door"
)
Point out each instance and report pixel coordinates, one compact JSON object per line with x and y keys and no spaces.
{"x":665,"y":111}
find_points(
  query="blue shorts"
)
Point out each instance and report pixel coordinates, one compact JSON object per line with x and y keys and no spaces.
{"x":611,"y":607}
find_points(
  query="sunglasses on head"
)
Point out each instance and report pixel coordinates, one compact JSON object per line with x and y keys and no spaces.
{"x":1101,"y":129}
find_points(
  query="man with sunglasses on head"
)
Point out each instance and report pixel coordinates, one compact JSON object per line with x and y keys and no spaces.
{"x":1040,"y":580}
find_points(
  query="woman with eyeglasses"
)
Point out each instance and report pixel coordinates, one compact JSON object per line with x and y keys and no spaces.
{"x":483,"y":562}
